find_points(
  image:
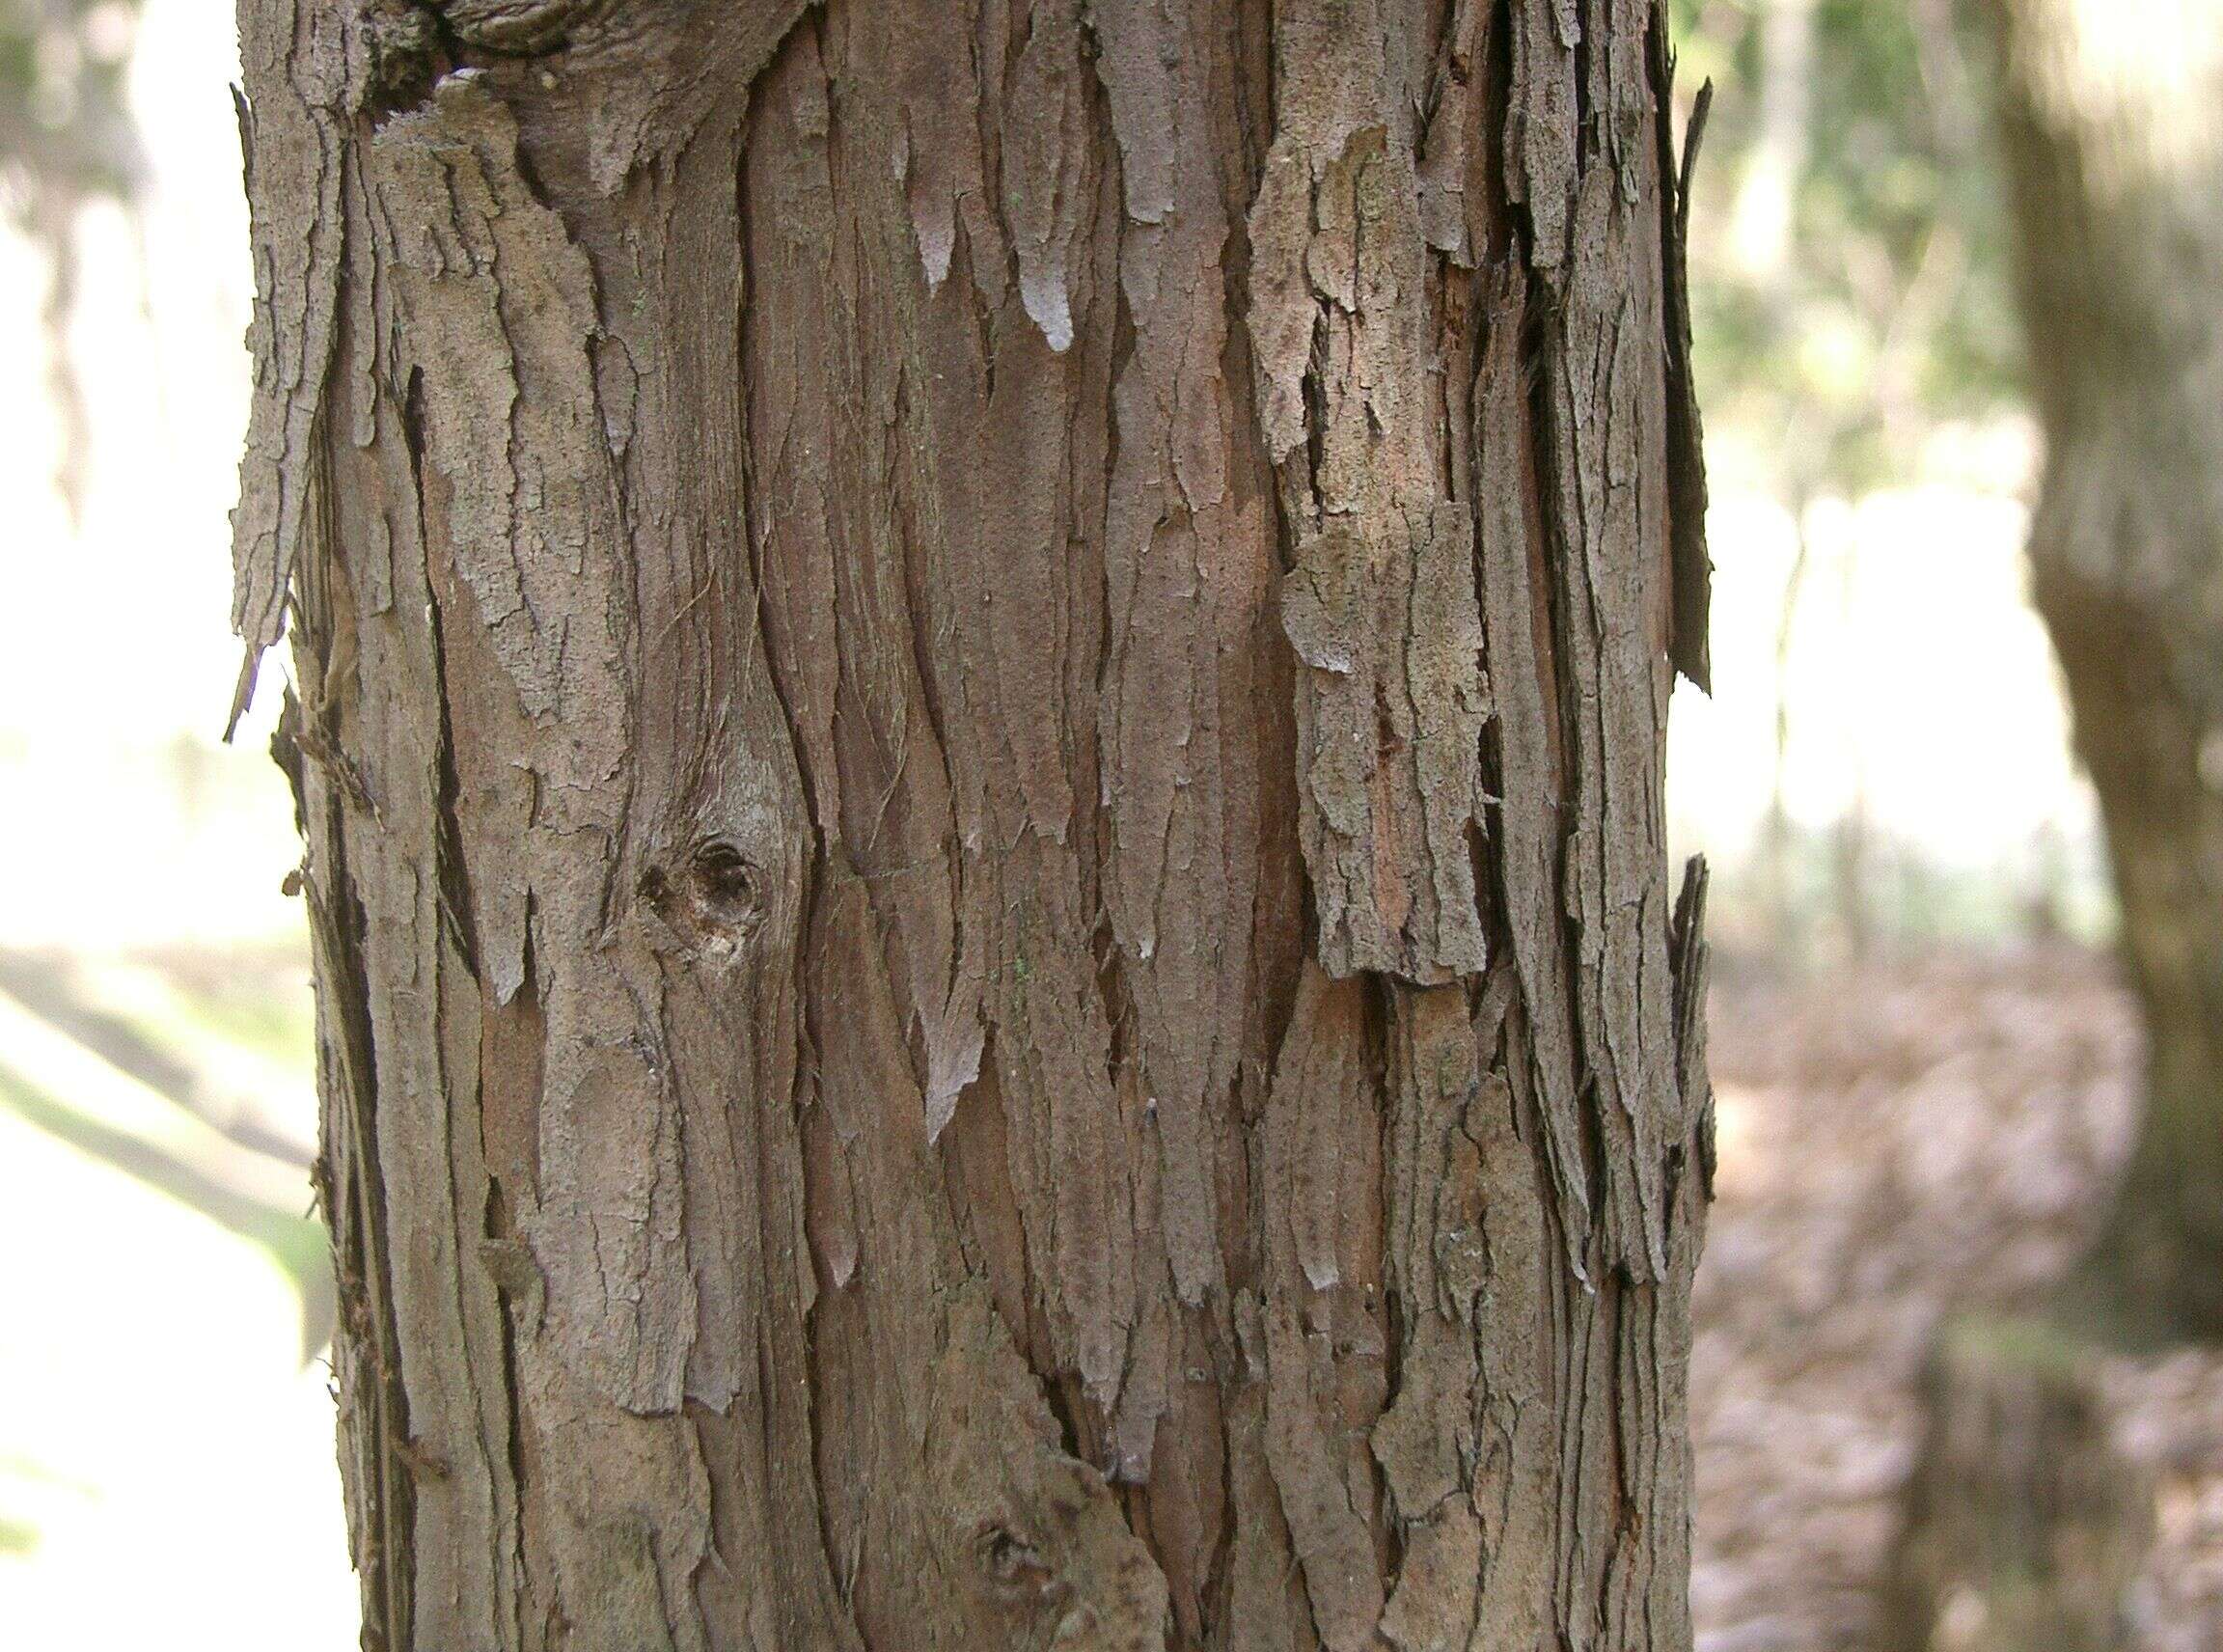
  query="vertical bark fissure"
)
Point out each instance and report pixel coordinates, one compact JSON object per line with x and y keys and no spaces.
{"x":822,"y":871}
{"x":360,"y":1254}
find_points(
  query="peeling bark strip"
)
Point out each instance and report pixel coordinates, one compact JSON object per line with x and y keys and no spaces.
{"x":981,"y":703}
{"x":1351,"y":316}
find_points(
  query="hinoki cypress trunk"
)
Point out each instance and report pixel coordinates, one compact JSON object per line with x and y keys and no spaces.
{"x":2112,"y":126}
{"x":981,"y":703}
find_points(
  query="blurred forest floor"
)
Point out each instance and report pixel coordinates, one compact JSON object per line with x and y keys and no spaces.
{"x":1901,"y":1141}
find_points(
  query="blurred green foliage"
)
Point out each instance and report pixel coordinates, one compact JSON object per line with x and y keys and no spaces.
{"x":66,"y":138}
{"x":65,"y":132}
{"x":256,"y":997}
{"x":26,"y":1479}
{"x":1849,"y":260}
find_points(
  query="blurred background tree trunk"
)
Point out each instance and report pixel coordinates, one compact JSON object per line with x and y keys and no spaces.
{"x":2111,"y":119}
{"x":953,"y":1013}
{"x":2026,"y":1522}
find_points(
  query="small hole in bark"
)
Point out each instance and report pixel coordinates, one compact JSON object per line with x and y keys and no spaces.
{"x":713,"y":901}
{"x":724,"y":884}
{"x":1011,"y":1560}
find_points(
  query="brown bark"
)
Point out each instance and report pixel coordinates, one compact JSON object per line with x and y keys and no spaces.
{"x":2112,"y":121}
{"x":981,"y":692}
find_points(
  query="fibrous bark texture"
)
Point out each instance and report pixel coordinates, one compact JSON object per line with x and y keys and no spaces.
{"x":980,"y":699}
{"x":2112,"y":121}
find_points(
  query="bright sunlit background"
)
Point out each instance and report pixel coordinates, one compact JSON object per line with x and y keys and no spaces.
{"x":167,"y":1473}
{"x":1882,"y":766}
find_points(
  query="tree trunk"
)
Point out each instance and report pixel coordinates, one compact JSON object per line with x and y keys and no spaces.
{"x":955,"y":1014}
{"x":2112,"y":120}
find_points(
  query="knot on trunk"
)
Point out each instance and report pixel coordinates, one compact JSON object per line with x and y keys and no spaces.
{"x":713,"y":900}
{"x":520,"y":28}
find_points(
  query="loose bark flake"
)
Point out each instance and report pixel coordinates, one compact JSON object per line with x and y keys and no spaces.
{"x":981,"y":695}
{"x":292,"y":106}
{"x":1347,"y":333}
